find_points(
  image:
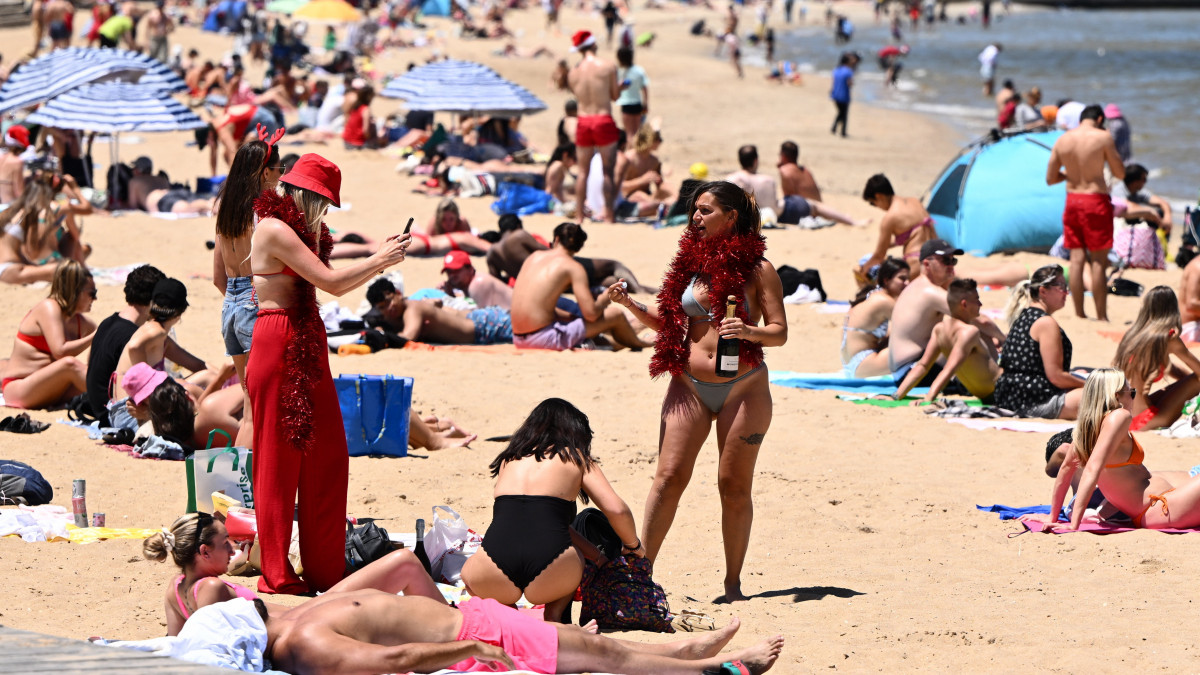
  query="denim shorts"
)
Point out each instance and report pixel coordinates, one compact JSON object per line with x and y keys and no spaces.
{"x":238,"y":314}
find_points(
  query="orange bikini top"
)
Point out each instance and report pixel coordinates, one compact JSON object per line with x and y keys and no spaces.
{"x":1136,"y":455}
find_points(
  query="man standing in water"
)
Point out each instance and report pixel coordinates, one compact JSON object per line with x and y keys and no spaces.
{"x":1078,"y":157}
{"x":987,"y":67}
{"x":594,"y":83}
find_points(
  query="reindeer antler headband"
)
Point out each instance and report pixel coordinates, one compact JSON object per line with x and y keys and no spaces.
{"x":271,"y":141}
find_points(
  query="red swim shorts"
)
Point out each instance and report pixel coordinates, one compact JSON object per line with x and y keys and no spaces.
{"x":532,"y":643}
{"x":595,"y":131}
{"x":1088,"y":221}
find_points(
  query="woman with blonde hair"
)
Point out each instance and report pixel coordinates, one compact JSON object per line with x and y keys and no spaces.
{"x":1111,"y":461}
{"x":1037,"y":379}
{"x":299,"y":442}
{"x":448,"y":231}
{"x":42,"y":370}
{"x":721,"y":254}
{"x":199,"y":544}
{"x":38,"y":232}
{"x":1145,"y":356}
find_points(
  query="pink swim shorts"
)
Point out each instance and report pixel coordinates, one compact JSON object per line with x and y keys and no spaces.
{"x":532,"y":643}
{"x":556,"y":336}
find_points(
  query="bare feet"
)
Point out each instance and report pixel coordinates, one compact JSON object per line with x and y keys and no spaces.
{"x":706,"y":645}
{"x":761,"y":656}
{"x":450,"y":439}
{"x":733,"y":593}
{"x":591,"y":627}
{"x":445,"y":424}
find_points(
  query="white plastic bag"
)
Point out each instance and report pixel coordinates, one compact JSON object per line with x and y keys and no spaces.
{"x":448,"y":544}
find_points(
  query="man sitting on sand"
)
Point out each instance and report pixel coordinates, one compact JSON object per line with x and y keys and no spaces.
{"x":1189,"y":301}
{"x":794,"y":179}
{"x":920,"y":307}
{"x":793,"y":207}
{"x":372,"y":631}
{"x":969,"y":356}
{"x":536,"y":321}
{"x":505,"y":257}
{"x":485,"y":289}
{"x":429,"y":321}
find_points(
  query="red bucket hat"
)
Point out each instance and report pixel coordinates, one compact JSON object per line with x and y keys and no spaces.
{"x":314,"y":172}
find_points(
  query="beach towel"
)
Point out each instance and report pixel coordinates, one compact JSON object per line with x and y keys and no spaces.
{"x":1012,"y":424}
{"x":225,"y":634}
{"x":959,"y":409}
{"x":1088,"y":525}
{"x":837,"y":381}
{"x":906,"y":402}
{"x":113,"y":276}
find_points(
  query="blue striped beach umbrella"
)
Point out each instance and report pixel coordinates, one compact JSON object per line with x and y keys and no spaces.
{"x":62,"y":70}
{"x":462,"y":87}
{"x":113,"y":107}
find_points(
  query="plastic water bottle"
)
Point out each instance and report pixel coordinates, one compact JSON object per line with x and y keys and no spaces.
{"x":660,"y":219}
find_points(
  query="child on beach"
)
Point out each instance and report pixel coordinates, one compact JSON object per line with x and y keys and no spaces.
{"x":968,"y":355}
{"x":152,"y":343}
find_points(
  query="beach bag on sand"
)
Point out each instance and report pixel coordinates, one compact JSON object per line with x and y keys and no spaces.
{"x":622,"y":595}
{"x":364,"y":545}
{"x":375,"y":413}
{"x":227,"y":470}
{"x":1139,"y":247}
{"x":23,"y":484}
{"x":448,"y":544}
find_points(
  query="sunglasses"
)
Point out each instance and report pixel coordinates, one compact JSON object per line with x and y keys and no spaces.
{"x":93,"y":293}
{"x":947,"y":260}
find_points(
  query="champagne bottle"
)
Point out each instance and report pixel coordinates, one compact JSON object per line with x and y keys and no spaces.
{"x":728,"y":349}
{"x":420,"y":548}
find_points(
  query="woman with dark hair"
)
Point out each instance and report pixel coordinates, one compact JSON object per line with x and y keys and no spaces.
{"x":1037,"y":379}
{"x":42,"y":370}
{"x":256,"y":167}
{"x":720,"y":255}
{"x":528,"y":548}
{"x":299,"y":440}
{"x":865,"y":330}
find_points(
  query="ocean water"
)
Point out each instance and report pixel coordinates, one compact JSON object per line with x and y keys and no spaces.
{"x":1144,"y":61}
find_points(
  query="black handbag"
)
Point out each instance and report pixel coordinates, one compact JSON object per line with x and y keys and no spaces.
{"x":365,"y":544}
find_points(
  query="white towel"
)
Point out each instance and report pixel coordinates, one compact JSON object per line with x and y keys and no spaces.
{"x":225,"y":634}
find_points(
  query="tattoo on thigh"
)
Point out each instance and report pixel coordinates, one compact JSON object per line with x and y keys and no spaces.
{"x":753,"y":439}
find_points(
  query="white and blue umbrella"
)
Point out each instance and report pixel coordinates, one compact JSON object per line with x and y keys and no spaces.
{"x":113,"y":107}
{"x":62,"y":70}
{"x":462,"y":87}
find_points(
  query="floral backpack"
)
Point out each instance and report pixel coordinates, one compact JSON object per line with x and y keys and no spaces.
{"x":622,"y":595}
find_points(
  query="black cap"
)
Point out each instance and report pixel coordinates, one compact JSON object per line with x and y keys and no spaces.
{"x":170,"y":293}
{"x":938,"y":247}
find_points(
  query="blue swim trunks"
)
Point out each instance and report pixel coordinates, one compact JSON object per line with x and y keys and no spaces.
{"x":492,"y":325}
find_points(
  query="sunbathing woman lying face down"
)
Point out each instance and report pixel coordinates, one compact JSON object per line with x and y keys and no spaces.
{"x":199,"y":544}
{"x":528,"y":549}
{"x":1111,"y":461}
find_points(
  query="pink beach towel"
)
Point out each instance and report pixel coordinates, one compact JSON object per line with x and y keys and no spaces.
{"x":1093,"y":527}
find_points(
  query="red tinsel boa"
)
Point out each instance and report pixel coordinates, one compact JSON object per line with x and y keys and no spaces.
{"x":728,"y":262}
{"x":308,"y":343}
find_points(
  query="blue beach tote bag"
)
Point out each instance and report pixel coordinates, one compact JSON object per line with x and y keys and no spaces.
{"x":375,"y":413}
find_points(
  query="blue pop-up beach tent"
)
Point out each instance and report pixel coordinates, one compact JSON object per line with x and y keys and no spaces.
{"x":993,"y":197}
{"x":437,"y":7}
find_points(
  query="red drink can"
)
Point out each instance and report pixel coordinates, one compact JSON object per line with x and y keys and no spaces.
{"x":98,"y":519}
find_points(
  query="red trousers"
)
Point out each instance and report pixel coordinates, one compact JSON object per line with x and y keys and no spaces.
{"x":279,"y":468}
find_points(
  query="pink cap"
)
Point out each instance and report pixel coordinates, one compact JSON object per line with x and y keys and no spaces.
{"x":140,"y":381}
{"x":1112,"y":111}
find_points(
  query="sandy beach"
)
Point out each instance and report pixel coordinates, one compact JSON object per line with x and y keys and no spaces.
{"x":867,"y":553}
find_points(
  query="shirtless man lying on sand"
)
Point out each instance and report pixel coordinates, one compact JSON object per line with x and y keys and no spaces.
{"x":371,"y":631}
{"x":537,"y":323}
{"x":959,"y":340}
